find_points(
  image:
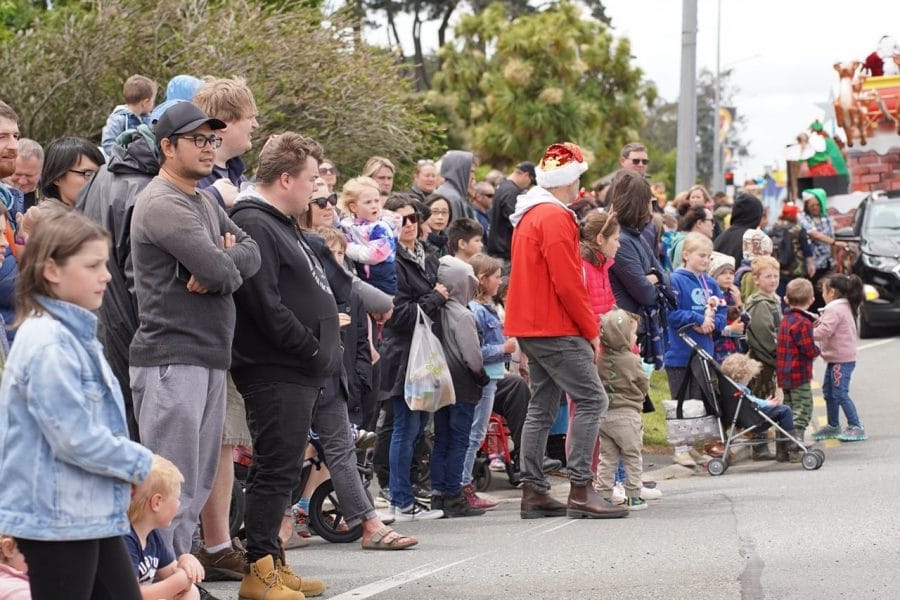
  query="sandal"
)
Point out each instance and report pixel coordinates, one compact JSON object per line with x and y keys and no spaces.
{"x":388,"y":539}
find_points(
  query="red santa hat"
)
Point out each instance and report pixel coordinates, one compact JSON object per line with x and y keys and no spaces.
{"x":561,"y":165}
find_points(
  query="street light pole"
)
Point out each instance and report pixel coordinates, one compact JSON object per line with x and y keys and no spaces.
{"x":686,"y":165}
{"x":717,"y":179}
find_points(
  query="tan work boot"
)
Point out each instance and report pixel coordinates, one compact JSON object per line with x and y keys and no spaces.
{"x":264,"y":582}
{"x":307,"y":585}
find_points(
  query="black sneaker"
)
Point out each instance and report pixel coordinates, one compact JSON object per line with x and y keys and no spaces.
{"x":456,"y":506}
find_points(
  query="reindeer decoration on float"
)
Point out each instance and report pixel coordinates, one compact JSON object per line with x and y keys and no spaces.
{"x":848,"y":110}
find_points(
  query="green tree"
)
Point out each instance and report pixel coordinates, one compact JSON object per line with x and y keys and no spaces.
{"x":520,"y":85}
{"x":308,"y":74}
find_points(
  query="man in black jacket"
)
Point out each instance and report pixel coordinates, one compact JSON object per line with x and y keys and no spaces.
{"x":286,"y":348}
{"x":505,"y":197}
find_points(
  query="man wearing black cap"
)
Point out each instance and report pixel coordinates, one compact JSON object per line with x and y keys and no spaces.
{"x":188,"y":259}
{"x":501,"y":230}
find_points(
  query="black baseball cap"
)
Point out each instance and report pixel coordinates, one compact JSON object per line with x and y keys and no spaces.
{"x":527,"y":167}
{"x":182,"y":118}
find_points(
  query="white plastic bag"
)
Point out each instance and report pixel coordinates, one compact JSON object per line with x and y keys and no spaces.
{"x":429,"y":386}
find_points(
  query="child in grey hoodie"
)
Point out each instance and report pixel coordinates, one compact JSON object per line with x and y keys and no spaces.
{"x":453,"y":424}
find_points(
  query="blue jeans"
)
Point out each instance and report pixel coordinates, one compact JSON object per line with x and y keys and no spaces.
{"x":836,"y":390}
{"x":479,"y":428}
{"x":452,"y":427}
{"x":408,"y":426}
{"x":782,"y":415}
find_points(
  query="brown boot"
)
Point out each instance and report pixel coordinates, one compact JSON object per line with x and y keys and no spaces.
{"x":536,"y":505}
{"x":585,"y":503}
{"x":264,"y":582}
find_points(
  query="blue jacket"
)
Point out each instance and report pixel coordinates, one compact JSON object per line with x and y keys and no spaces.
{"x":628,"y":274}
{"x":693,"y":297}
{"x":66,"y":462}
{"x":120,"y":120}
{"x":491,"y":329}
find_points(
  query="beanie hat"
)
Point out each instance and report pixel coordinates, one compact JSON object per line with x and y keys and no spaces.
{"x":561,"y":165}
{"x":756,"y":243}
{"x":719,"y":262}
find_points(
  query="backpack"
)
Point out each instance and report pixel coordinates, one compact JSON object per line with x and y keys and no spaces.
{"x":786,"y":247}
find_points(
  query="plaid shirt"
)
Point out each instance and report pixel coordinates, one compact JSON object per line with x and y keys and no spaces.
{"x":796,"y":349}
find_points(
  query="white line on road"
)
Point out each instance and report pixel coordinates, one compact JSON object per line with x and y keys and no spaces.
{"x":377,"y":587}
{"x":569,"y":522}
{"x":876,"y":344}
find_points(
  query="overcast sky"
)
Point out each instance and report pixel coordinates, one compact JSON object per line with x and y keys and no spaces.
{"x":782,"y":52}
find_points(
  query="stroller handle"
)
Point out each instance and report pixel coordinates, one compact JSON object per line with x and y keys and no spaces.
{"x":683,"y":334}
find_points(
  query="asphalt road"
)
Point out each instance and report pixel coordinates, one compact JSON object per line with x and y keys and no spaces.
{"x":758,"y":531}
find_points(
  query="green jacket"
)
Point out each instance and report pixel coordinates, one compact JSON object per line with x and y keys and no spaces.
{"x":762,"y":333}
{"x":620,"y":369}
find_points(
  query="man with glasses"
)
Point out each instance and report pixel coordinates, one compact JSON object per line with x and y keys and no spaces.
{"x":482,"y":200}
{"x":634,"y":158}
{"x":188,"y":260}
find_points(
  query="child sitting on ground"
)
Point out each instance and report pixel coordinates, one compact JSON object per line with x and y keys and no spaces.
{"x":140,"y":96}
{"x":13,"y":571}
{"x":371,"y":233}
{"x":796,"y":352}
{"x":621,"y":431}
{"x":741,"y":368}
{"x":152,"y":509}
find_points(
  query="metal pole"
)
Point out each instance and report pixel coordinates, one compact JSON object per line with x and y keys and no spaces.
{"x":686,"y":165}
{"x":717,"y":182}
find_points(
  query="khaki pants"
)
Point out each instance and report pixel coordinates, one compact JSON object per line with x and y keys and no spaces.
{"x":621,"y":436}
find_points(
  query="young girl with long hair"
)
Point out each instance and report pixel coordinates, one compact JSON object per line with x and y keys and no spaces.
{"x":835,"y":334}
{"x":67,"y":465}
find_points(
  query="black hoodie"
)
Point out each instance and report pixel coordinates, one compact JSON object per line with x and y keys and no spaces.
{"x":746,"y":214}
{"x":287,"y":326}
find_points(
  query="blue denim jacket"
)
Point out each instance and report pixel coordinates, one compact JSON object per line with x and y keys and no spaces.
{"x":491,"y":329}
{"x":66,"y":463}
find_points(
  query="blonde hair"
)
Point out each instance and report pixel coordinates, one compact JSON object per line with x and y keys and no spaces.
{"x":375,"y":163}
{"x":352,"y":191}
{"x":761,"y":263}
{"x":226,"y":99}
{"x":164,"y":479}
{"x":799,"y":291}
{"x":484,"y":266}
{"x":741,"y":367}
{"x":695,"y":241}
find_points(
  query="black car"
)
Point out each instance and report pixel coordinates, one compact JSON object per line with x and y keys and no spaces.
{"x":876,"y":234}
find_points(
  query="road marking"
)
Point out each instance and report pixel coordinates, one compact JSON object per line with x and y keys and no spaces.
{"x":814,"y":384}
{"x":818,"y":401}
{"x":876,"y":344}
{"x":377,"y":587}
{"x":569,"y":522}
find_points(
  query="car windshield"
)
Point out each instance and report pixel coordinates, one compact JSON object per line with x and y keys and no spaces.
{"x":885,"y":216}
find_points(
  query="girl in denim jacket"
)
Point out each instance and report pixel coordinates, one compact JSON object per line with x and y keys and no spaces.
{"x":67,"y":466}
{"x":495,"y":349}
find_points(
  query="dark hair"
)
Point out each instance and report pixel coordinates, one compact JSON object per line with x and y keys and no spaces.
{"x":398,"y":200}
{"x":629,"y":197}
{"x":62,"y":154}
{"x":462,"y":230}
{"x":286,"y":153}
{"x":692,"y":216}
{"x":849,"y":287}
{"x":596,"y":223}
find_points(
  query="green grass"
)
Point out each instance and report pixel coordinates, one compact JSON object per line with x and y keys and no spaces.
{"x":655,"y":422}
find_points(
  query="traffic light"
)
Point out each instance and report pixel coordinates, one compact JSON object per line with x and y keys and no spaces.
{"x":729,"y":178}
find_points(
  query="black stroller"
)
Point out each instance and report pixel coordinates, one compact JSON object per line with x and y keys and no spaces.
{"x":735,"y":410}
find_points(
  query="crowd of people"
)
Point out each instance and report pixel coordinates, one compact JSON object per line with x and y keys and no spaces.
{"x":165,"y":310}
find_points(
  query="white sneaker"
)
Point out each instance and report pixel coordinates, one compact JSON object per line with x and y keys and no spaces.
{"x":415,"y":512}
{"x":684,"y":459}
{"x":651,"y":493}
{"x":618,"y":494}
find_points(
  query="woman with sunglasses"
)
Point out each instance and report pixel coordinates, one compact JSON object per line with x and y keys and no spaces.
{"x":69,"y":163}
{"x":329,"y":173}
{"x":424,"y":179}
{"x":322,"y":211}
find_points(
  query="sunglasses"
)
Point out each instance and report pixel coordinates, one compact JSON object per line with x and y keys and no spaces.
{"x":424,"y":161}
{"x":413,"y":218}
{"x":327,"y":171}
{"x":325,"y":201}
{"x":640,"y":161}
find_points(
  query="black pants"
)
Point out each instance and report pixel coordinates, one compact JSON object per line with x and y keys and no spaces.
{"x":278,"y":416}
{"x":384,"y":430}
{"x":83,"y":570}
{"x":511,"y":401}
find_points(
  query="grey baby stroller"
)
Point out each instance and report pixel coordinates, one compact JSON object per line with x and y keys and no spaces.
{"x":739,"y":418}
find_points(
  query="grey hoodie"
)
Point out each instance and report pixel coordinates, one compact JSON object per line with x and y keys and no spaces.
{"x":461,"y":343}
{"x":456,"y":167}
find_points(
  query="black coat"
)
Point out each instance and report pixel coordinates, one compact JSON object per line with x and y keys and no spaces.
{"x":746,"y":214}
{"x":415,"y":288}
{"x":500,"y":239}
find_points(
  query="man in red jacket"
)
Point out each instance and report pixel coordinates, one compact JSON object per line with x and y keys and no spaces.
{"x":550,"y":314}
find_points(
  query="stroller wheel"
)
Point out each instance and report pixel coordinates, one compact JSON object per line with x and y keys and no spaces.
{"x":810,"y":461}
{"x":481,"y":475}
{"x":716,"y":466}
{"x":820,"y":454}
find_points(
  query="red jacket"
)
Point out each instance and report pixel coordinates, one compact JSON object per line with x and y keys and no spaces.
{"x":596,"y":279}
{"x":547,"y":296}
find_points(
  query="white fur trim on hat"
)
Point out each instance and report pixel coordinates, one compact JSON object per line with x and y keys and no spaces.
{"x":559,"y":176}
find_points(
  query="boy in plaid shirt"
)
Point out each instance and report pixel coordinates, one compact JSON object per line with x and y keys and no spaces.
{"x":796,"y":352}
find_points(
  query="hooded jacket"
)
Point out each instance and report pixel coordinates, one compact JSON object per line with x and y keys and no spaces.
{"x":287,"y":327}
{"x":762,"y":332}
{"x":746,"y":214}
{"x":694,"y":294}
{"x":547,"y":296}
{"x":120,"y":120}
{"x":456,"y":168}
{"x":619,"y":368}
{"x":461,"y":343}
{"x":108,"y":199}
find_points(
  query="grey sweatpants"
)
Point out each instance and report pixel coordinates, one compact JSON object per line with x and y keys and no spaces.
{"x":180,"y":410}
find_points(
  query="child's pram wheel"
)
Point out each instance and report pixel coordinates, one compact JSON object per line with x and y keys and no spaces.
{"x":818,"y":452}
{"x":481,"y":474}
{"x":326,"y":517}
{"x":717,"y":466}
{"x":811,"y":461}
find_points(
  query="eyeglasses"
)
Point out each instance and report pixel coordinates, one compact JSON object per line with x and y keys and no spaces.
{"x":86,"y":173}
{"x":441,"y":213}
{"x":201,"y":141}
{"x":324,"y":201}
{"x":327,"y":171}
{"x":413,"y":218}
{"x":488,"y":195}
{"x":640,"y":161}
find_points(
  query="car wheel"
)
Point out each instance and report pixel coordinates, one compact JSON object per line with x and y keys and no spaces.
{"x":865,"y":327}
